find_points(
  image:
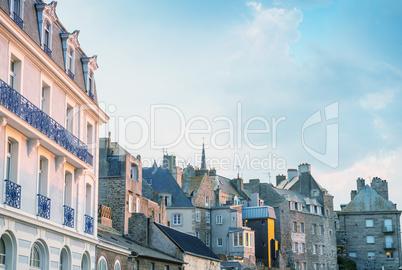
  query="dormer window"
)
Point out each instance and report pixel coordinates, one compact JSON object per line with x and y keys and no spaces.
{"x":89,"y":66}
{"x":69,"y":43}
{"x":16,"y":8}
{"x":46,"y":14}
{"x":47,"y":37}
{"x":91,"y":85}
{"x":70,"y":62}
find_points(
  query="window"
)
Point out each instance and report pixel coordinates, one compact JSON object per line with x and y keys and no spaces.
{"x":319,"y":211}
{"x":327,"y":212}
{"x":152,"y":266}
{"x":70,"y":61}
{"x":64,"y":260}
{"x":90,"y":137}
{"x":15,"y":73}
{"x":370,"y":239}
{"x":303,"y":248}
{"x":324,"y":266}
{"x":197,"y":234}
{"x":137,"y":205}
{"x":295,"y":247}
{"x":369,"y":223}
{"x":166,"y":267}
{"x":247,"y":239}
{"x":390,"y":255}
{"x":388,"y":225}
{"x":302,"y":227}
{"x":304,"y":266}
{"x":43,"y":176}
{"x":353,"y":254}
{"x":389,"y":241}
{"x":102,"y":264}
{"x":198,"y":216}
{"x":177,"y":219}
{"x":2,"y":252}
{"x":207,"y":217}
{"x":117,"y":265}
{"x":316,"y":266}
{"x":69,"y":118}
{"x":314,"y":229}
{"x":371,"y":255}
{"x":137,"y":265}
{"x":47,"y":35}
{"x":85,"y":262}
{"x":35,"y":260}
{"x":12,"y":73}
{"x":9,"y":159}
{"x":294,"y":226}
{"x":130,"y":203}
{"x":297,"y":265}
{"x":219,"y":242}
{"x":206,"y":201}
{"x":88,"y":200}
{"x":315,"y":249}
{"x":219,"y":219}
{"x":322,"y":250}
{"x":322,"y":230}
{"x":91,"y":83}
{"x":134,"y":172}
{"x":207,"y":239}
{"x":238,"y":239}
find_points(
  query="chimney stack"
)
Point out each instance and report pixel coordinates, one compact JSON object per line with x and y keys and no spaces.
{"x":304,"y":168}
{"x":280,"y":178}
{"x":353,"y":194}
{"x":291,"y":173}
{"x":361,"y":183}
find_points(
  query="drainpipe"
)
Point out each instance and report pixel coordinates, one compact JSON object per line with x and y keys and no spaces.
{"x":147,"y":233}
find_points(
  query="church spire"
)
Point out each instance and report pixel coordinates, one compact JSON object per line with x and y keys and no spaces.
{"x":203,"y":163}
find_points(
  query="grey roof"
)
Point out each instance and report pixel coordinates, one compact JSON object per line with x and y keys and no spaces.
{"x":142,"y":250}
{"x":226,"y":185}
{"x":237,"y":265}
{"x":258,"y":212}
{"x":188,"y":243}
{"x":369,"y":200}
{"x":163,"y":181}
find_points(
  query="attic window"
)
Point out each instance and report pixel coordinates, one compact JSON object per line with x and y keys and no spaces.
{"x":16,"y":8}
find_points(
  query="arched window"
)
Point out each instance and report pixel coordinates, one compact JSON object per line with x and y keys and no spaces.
{"x":117,"y":265}
{"x":35,"y":261}
{"x":7,"y":251}
{"x":85,"y":263}
{"x":2,"y":252}
{"x":102,"y":264}
{"x":64,"y":260}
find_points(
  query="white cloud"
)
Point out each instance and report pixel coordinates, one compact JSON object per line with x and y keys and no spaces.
{"x":257,"y":6}
{"x":377,"y":100}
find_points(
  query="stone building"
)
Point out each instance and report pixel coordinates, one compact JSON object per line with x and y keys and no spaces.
{"x":305,"y":224}
{"x":368,"y":227}
{"x":121,"y":187}
{"x":49,"y":129}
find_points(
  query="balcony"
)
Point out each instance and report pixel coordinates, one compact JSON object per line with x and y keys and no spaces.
{"x":389,"y":246}
{"x":43,"y":206}
{"x":47,"y":50}
{"x":68,"y":216}
{"x":89,"y":225}
{"x":18,"y":20}
{"x":70,"y":74}
{"x":388,"y":229}
{"x":13,"y":194}
{"x":91,"y":95}
{"x":24,"y":109}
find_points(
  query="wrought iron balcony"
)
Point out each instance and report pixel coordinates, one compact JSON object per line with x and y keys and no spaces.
{"x":91,"y":95}
{"x":388,"y":229}
{"x":47,"y":50}
{"x":89,"y":224}
{"x":18,"y":20}
{"x":70,"y":74}
{"x":23,"y":108}
{"x":68,"y":216}
{"x":43,"y":206}
{"x":13,"y":194}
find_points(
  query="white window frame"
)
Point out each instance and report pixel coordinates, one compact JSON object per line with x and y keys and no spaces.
{"x":219,"y":219}
{"x":130,"y":203}
{"x":117,"y":265}
{"x":302,"y":227}
{"x":219,"y":240}
{"x":206,"y":201}
{"x":295,"y":247}
{"x":294,"y":226}
{"x":177,"y":220}
{"x":315,"y":249}
{"x":102,"y":259}
{"x":303,"y":248}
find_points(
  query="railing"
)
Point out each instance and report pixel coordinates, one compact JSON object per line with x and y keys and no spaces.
{"x":89,"y":224}
{"x":104,"y":211}
{"x":18,"y":20}
{"x":70,"y":74}
{"x":13,"y":194}
{"x":43,"y":206}
{"x":91,"y":95}
{"x":47,"y":50}
{"x":68,"y":216}
{"x":27,"y":111}
{"x":388,"y":229}
{"x":90,"y":159}
{"x":389,"y":246}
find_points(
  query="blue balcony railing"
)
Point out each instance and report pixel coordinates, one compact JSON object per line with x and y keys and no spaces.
{"x":68,"y":216}
{"x":91,"y":95}
{"x":70,"y":74}
{"x":13,"y":194}
{"x":89,"y":224}
{"x":43,"y":206}
{"x":47,"y":50}
{"x":18,"y":20}
{"x":24,"y":109}
{"x":90,"y":159}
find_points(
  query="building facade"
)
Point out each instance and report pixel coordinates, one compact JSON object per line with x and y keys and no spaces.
{"x":49,"y":131}
{"x":368,"y":227}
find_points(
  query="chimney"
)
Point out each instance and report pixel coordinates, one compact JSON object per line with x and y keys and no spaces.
{"x":361,"y":183}
{"x":304,"y":168}
{"x":385,"y":189}
{"x":291,"y":173}
{"x":280,"y":178}
{"x":169,"y":162}
{"x":353,"y":194}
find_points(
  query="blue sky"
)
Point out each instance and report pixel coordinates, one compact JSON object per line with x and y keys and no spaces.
{"x":277,"y":59}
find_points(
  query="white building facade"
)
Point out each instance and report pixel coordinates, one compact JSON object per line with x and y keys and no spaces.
{"x":49,"y":129}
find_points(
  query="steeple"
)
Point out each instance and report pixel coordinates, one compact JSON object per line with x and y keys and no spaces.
{"x":203,"y":163}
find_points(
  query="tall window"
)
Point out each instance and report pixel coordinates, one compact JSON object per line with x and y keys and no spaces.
{"x":294,"y":226}
{"x":388,"y":225}
{"x":134,"y":172}
{"x":219,"y":219}
{"x":137,"y":205}
{"x":207,"y":239}
{"x":302,"y":227}
{"x":43,"y":176}
{"x":69,"y":118}
{"x":64,"y":260}
{"x":85,"y":263}
{"x":70,"y":59}
{"x":35,"y":261}
{"x":207,"y":217}
{"x":91,"y":82}
{"x":177,"y":219}
{"x":314,"y":229}
{"x":130,"y":203}
{"x":198,"y":216}
{"x":88,"y":200}
{"x":238,"y":239}
{"x":9,"y":159}
{"x":315,"y":249}
{"x":102,"y":264}
{"x":46,"y":40}
{"x":11,"y":170}
{"x":17,"y":8}
{"x":117,"y":265}
{"x":219,"y":242}
{"x":68,"y":189}
{"x":2,"y":252}
{"x":295,"y":247}
{"x":13,"y":73}
{"x":303,"y":248}
{"x":206,"y":201}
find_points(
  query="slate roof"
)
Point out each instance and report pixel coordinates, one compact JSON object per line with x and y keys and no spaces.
{"x":163,"y":181}
{"x":369,"y":200}
{"x":235,"y":265}
{"x":142,"y":250}
{"x":226,"y":185}
{"x":188,"y":243}
{"x":258,"y":212}
{"x":191,"y":185}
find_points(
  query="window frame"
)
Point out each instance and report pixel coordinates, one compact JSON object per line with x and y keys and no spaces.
{"x":219,"y":219}
{"x":198,"y":216}
{"x":219,"y":240}
{"x":177,"y":221}
{"x":207,"y":217}
{"x":102,"y":259}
